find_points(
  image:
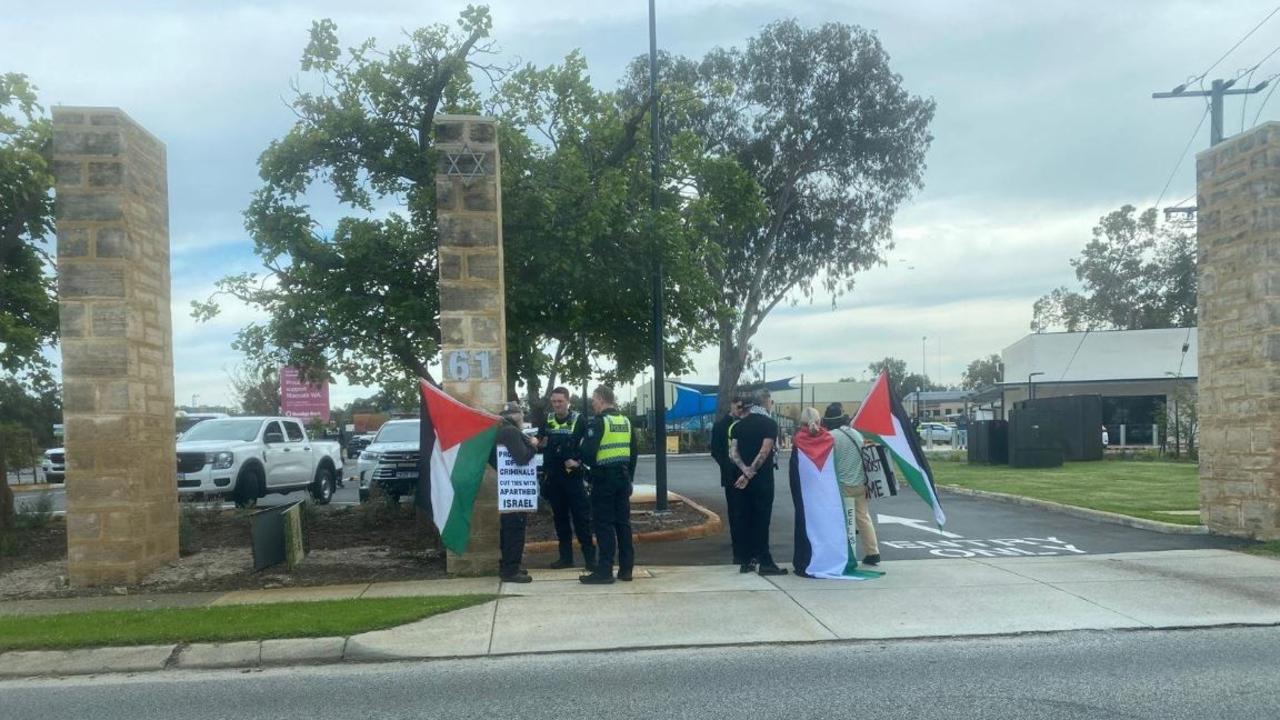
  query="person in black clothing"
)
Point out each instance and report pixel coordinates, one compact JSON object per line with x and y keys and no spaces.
{"x":609,"y":451}
{"x":729,"y":473}
{"x":512,"y":524}
{"x":751,"y":447}
{"x":560,"y":437}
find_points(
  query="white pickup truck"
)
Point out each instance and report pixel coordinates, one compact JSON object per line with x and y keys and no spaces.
{"x":249,"y":457}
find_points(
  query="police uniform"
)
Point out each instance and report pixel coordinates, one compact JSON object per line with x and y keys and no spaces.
{"x":565,"y":489}
{"x":609,"y":450}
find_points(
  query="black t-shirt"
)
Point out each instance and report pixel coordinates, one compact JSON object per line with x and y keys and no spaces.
{"x":750,"y":433}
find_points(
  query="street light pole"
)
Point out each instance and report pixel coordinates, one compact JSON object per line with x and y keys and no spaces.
{"x":764,"y":372}
{"x":924,"y":367}
{"x":659,"y":324}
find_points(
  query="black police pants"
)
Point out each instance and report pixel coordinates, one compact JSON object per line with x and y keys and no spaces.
{"x":754,"y":507}
{"x":511,"y":542}
{"x":736,"y":536}
{"x":611,"y":518}
{"x":569,"y":506}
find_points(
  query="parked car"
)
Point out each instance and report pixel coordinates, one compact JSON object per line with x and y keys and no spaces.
{"x":184,"y":421}
{"x":390,"y":461}
{"x":935,"y":432}
{"x":247,"y":458}
{"x":54,"y":465}
{"x":358,"y":443}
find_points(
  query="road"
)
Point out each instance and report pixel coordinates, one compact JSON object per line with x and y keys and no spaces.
{"x":1232,"y":673}
{"x":975,"y":527}
{"x":1023,"y":530}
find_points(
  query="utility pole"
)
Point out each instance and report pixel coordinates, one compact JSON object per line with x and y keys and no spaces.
{"x":1216,"y":92}
{"x":659,"y":324}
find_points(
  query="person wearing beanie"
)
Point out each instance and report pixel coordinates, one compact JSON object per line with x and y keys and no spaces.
{"x":511,"y":531}
{"x":850,"y":473}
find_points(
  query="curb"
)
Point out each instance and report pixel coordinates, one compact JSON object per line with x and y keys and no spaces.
{"x":37,"y":487}
{"x":1085,"y":513}
{"x":162,"y":658}
{"x":712,"y":525}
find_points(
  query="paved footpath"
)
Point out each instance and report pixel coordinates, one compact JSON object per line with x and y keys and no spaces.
{"x":717,"y":606}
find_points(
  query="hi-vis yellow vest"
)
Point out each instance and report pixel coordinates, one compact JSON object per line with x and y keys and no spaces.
{"x":615,"y":443}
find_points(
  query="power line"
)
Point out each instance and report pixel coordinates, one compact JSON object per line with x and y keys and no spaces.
{"x":1194,"y":134}
{"x":1073,"y":355}
{"x":1239,"y":42}
{"x":1263,"y":105}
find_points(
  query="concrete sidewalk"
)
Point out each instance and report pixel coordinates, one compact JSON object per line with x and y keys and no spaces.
{"x":715,"y":605}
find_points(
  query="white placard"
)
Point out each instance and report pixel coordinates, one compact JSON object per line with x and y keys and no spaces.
{"x":517,"y":484}
{"x":880,"y":479}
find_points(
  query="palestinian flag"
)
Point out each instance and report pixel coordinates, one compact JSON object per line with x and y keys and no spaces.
{"x":460,"y":439}
{"x":825,"y":530}
{"x":882,"y":420}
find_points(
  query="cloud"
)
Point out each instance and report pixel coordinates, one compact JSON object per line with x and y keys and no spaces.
{"x":1044,"y":123}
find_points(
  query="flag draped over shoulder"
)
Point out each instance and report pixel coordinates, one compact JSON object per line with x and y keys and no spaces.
{"x":825,"y":538}
{"x":883,"y":420}
{"x":459,"y":440}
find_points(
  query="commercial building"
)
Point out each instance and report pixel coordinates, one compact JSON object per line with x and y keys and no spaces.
{"x":1138,"y":373}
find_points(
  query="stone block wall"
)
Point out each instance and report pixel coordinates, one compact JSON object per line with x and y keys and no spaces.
{"x":1238,"y":186}
{"x":473,"y":324}
{"x":112,"y":216}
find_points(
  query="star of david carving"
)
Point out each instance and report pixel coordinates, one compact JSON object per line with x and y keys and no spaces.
{"x":466,"y":164}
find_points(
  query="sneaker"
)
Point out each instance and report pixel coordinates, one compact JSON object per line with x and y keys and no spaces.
{"x":561,"y":564}
{"x":624,"y":575}
{"x":747,"y":567}
{"x":871,"y":560}
{"x":595,"y":579}
{"x":772,"y":570}
{"x":517,"y":578}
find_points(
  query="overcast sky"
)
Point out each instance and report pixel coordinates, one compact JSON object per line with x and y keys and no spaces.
{"x":1044,"y":122}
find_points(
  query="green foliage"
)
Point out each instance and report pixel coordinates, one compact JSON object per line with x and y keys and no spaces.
{"x":1136,"y":273}
{"x":901,"y":381}
{"x":799,"y":149}
{"x":325,"y":618}
{"x":28,"y":305}
{"x":578,"y":257}
{"x":358,"y":299}
{"x":982,"y":372}
{"x":256,"y":390}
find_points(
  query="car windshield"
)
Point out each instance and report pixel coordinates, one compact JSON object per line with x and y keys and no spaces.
{"x":233,"y":429}
{"x":184,"y":424}
{"x":398,"y":432}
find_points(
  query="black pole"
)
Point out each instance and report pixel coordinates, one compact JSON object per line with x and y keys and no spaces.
{"x":659,"y":324}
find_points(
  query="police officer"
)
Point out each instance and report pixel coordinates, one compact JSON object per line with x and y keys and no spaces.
{"x":609,"y":451}
{"x":729,"y":473}
{"x":559,"y":437}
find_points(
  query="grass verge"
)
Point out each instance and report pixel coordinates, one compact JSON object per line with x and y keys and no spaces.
{"x":1269,"y":549}
{"x":326,"y":618}
{"x":1148,"y":490}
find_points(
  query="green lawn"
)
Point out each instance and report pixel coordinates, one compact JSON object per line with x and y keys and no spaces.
{"x":221,"y":624}
{"x":1140,"y":489}
{"x":1269,"y":549}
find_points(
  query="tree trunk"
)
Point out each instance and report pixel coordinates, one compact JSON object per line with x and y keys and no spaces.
{"x":732,"y":360}
{"x":7,"y":519}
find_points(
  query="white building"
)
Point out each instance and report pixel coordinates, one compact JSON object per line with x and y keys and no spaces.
{"x":1135,"y":371}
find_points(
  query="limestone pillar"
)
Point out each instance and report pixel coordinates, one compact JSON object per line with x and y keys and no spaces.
{"x":1239,"y":335}
{"x":473,"y":324}
{"x":112,"y":216}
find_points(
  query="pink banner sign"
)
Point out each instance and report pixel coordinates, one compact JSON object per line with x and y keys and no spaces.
{"x":300,"y":400}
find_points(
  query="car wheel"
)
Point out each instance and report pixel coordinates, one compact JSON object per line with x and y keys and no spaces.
{"x":248,"y":488}
{"x":322,"y":488}
{"x":393,"y":499}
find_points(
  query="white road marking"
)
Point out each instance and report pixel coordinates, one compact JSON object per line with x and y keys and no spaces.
{"x":914,"y":524}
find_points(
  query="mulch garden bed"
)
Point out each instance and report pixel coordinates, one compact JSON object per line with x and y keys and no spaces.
{"x":345,"y":545}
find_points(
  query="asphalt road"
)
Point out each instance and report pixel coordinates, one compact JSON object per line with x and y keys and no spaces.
{"x":905,"y":527}
{"x":1164,"y":675}
{"x":975,"y":527}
